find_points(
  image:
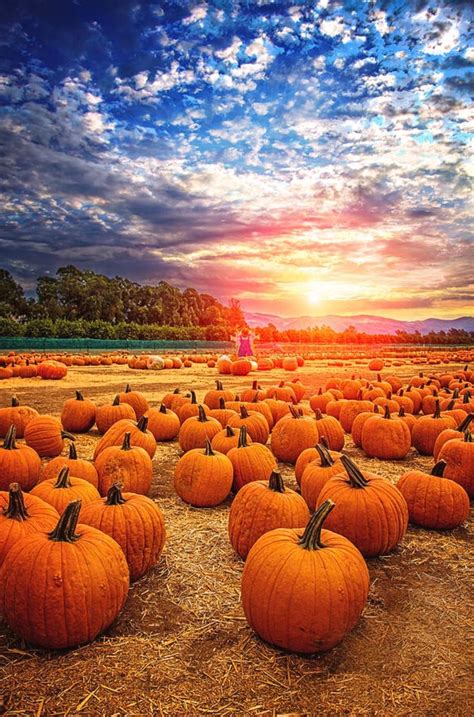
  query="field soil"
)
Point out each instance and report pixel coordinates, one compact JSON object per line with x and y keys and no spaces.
{"x":182,"y":646}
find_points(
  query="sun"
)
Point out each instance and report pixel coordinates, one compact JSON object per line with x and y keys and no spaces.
{"x":314,"y":294}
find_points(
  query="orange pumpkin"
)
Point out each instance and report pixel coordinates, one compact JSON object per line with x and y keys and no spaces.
{"x":19,"y":464}
{"x":292,"y":434}
{"x":203,"y":478}
{"x":20,"y":515}
{"x":134,"y":521}
{"x":427,"y":429}
{"x":370,"y":511}
{"x":136,"y":400}
{"x":43,"y":570}
{"x":78,"y":414}
{"x":163,"y":423}
{"x":128,"y":465}
{"x":304,"y":591}
{"x":16,"y":415}
{"x":196,"y":430}
{"x":433,"y":501}
{"x":107,"y":415}
{"x":261,"y":506}
{"x":45,"y":435}
{"x":78,"y":467}
{"x":250,"y":461}
{"x":385,"y":437}
{"x":59,"y":491}
{"x":459,"y":457}
{"x":316,"y":475}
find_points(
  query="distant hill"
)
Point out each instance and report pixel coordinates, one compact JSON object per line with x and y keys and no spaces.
{"x":361,"y":322}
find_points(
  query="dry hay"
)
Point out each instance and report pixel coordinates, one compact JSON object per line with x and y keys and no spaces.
{"x":182,"y":646}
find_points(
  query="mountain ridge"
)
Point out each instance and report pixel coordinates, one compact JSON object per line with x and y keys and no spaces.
{"x":361,"y":322}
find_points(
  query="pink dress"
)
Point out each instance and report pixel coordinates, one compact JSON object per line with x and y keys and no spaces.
{"x":245,"y":348}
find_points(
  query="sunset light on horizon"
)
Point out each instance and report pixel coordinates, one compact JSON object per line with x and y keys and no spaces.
{"x":306,"y":158}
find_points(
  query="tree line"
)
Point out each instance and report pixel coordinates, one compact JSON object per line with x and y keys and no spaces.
{"x":85,"y":304}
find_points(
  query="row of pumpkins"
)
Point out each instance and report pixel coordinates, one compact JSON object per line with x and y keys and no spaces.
{"x":61,"y":585}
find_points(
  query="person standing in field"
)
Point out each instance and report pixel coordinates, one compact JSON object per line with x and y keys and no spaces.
{"x":244,"y":343}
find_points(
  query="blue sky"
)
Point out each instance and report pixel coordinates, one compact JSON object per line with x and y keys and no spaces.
{"x":301,"y":156}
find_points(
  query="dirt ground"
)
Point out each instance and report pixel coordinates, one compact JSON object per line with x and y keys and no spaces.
{"x":182,"y":646}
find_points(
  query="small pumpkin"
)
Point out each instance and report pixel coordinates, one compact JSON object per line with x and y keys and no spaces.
{"x":78,"y":467}
{"x":222,"y":414}
{"x":128,"y":465}
{"x":427,"y":429}
{"x":19,"y":464}
{"x":70,"y":595}
{"x":255,"y":423}
{"x":292,"y":434}
{"x":16,"y":415}
{"x":450,"y":433}
{"x":46,"y":436}
{"x":195,"y":431}
{"x":250,"y":461}
{"x":60,"y":491}
{"x":304,"y":591}
{"x":212,"y":399}
{"x":20,"y":515}
{"x":78,"y":414}
{"x":433,"y":501}
{"x":316,"y":475}
{"x":163,"y":423}
{"x":109,"y":414}
{"x":331,"y":428}
{"x":226,"y":439}
{"x":459,"y":457}
{"x":385,"y":437}
{"x":136,"y":400}
{"x":261,"y":506}
{"x":134,"y":521}
{"x":370,"y":511}
{"x":203,"y":478}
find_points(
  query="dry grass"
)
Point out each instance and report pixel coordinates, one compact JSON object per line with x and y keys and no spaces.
{"x":181,"y":645}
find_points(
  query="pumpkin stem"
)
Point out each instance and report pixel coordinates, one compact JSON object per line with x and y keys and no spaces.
{"x":437,"y":411}
{"x":450,"y":406}
{"x":318,"y":414}
{"x":64,"y":530}
{"x":72,"y":452}
{"x":254,"y":385}
{"x":201,"y":414}
{"x":243,"y":412}
{"x":116,"y":401}
{"x":79,"y":396}
{"x":69,"y":436}
{"x":311,"y":538}
{"x":9,"y":443}
{"x":163,"y":408}
{"x":275,"y":482}
{"x":294,"y":412}
{"x":230,"y":431}
{"x":320,"y":392}
{"x":356,"y":479}
{"x":242,"y":437}
{"x":326,"y":458}
{"x":16,"y":508}
{"x":193,"y":396}
{"x":63,"y":480}
{"x":438,"y":469}
{"x":128,"y":388}
{"x":208,"y":448}
{"x":219,"y":385}
{"x":126,"y":442}
{"x":15,"y":402}
{"x":386,"y":412}
{"x":401,"y":411}
{"x":467,"y":437}
{"x":465,"y":424}
{"x":222,"y":403}
{"x":142,"y":424}
{"x":323,"y":441}
{"x":114,"y":495}
{"x":176,"y":390}
{"x":466,"y":397}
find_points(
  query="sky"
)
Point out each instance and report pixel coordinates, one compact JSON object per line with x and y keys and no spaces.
{"x":303,"y":157}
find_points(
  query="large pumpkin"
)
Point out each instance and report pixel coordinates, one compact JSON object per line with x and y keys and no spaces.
{"x":139,"y":436}
{"x":52,"y":370}
{"x":304,"y":591}
{"x":427,"y":429}
{"x":196,"y":430}
{"x":163,"y":423}
{"x":261,"y":506}
{"x":370,"y":511}
{"x":63,"y":588}
{"x":255,"y":423}
{"x":134,"y":521}
{"x":330,"y":427}
{"x":459,"y":457}
{"x":136,"y":400}
{"x":20,"y":515}
{"x":385,"y":437}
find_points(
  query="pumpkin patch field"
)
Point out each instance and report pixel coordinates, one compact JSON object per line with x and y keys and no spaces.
{"x":284,"y":539}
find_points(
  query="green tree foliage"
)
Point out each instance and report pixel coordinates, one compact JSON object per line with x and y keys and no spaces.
{"x":12,"y":297}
